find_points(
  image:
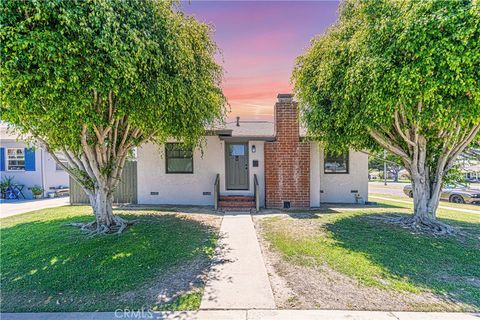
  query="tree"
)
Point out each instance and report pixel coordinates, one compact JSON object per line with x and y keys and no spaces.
{"x":394,"y":164}
{"x":403,"y":76}
{"x":94,"y":79}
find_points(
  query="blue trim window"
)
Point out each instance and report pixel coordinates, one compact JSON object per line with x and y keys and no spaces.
{"x":15,"y":159}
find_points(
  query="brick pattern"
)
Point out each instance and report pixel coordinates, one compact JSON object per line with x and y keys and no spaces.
{"x":287,"y":161}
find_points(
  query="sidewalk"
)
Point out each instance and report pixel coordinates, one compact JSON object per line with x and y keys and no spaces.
{"x":441,"y":207}
{"x":13,"y":207}
{"x":245,"y":315}
{"x":238,"y":278}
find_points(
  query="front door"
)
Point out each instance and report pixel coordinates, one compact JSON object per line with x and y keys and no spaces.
{"x":236,"y":166}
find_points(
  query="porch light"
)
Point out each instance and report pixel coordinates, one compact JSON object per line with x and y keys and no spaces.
{"x":254,"y":149}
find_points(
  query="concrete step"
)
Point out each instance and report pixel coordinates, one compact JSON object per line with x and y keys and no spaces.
{"x":238,"y":209}
{"x":236,"y":198}
{"x":239,"y":204}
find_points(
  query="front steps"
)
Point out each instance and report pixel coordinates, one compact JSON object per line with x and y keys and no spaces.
{"x":236,"y":203}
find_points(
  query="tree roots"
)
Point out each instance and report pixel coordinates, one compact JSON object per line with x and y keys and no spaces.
{"x":422,"y":224}
{"x":94,"y":228}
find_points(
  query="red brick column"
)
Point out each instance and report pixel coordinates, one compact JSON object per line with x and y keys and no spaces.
{"x":287,"y":160}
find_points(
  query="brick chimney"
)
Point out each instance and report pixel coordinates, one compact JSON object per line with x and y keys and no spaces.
{"x":287,"y":160}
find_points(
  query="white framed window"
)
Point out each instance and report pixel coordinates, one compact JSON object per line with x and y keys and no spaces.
{"x":15,"y":159}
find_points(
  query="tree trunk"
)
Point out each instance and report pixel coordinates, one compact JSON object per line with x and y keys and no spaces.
{"x":421,"y":198}
{"x":426,"y":195}
{"x":395,"y":176}
{"x":101,"y":202}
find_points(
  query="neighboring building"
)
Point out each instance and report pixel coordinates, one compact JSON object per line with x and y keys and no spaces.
{"x":472,"y":171}
{"x":28,"y":166}
{"x":291,"y":172}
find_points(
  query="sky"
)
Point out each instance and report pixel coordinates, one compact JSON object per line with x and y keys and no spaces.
{"x":259,"y":41}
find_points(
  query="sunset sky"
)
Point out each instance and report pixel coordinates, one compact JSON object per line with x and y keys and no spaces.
{"x":260,"y":41}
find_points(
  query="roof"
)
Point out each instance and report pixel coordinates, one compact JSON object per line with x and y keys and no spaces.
{"x":7,"y":133}
{"x":251,"y":129}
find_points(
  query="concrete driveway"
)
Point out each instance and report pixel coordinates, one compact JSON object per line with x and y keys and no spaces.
{"x":13,"y":207}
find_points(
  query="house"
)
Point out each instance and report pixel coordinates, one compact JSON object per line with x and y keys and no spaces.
{"x":472,"y":171}
{"x":28,"y":166}
{"x":248,"y":163}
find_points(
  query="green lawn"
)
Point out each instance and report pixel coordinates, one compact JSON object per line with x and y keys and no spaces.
{"x":381,"y":255}
{"x":47,"y":266}
{"x":442,"y":203}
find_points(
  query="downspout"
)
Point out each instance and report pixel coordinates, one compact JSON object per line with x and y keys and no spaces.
{"x":43,"y":172}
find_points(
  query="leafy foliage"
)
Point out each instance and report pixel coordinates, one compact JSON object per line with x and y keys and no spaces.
{"x":94,"y":79}
{"x":56,"y":55}
{"x":382,"y":54}
{"x":401,"y":75}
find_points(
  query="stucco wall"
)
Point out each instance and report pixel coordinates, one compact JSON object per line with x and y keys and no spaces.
{"x":51,"y":177}
{"x":337,"y":188}
{"x":54,"y":177}
{"x":189,"y":188}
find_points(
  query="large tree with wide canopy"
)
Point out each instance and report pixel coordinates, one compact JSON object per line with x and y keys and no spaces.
{"x":93,"y":79}
{"x":398,"y":75}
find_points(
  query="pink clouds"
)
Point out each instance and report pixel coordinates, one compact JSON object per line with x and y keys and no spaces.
{"x":259,"y":43}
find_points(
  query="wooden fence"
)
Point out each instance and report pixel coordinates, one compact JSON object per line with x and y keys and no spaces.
{"x":126,"y":191}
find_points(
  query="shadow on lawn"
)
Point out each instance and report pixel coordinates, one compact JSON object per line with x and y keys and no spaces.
{"x":445,"y":265}
{"x":48,"y":266}
{"x":334,"y":208}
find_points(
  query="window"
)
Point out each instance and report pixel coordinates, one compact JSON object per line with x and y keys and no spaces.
{"x":336,"y":163}
{"x":179,"y":159}
{"x":236,"y":150}
{"x":15,"y":159}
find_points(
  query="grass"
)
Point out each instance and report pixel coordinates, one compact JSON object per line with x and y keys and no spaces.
{"x":442,"y":203}
{"x":47,"y":266}
{"x":381,"y":255}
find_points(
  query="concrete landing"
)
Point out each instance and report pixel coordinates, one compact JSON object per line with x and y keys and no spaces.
{"x":238,"y":278}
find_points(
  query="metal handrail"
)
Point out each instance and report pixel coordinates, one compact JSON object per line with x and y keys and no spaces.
{"x":216,"y":191}
{"x":256,"y":192}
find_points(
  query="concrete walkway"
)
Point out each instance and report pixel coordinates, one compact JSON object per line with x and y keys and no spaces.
{"x":441,"y":207}
{"x":238,"y":278}
{"x":13,"y":207}
{"x":244,"y":315}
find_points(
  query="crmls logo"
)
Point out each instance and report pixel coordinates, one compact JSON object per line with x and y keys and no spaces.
{"x":133,"y":314}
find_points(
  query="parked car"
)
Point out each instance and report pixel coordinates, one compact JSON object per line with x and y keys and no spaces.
{"x":452,"y":193}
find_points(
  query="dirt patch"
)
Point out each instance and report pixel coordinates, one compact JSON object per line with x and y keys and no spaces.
{"x":321,"y":287}
{"x":186,"y":278}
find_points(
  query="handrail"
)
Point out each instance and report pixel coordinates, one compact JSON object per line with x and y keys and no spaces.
{"x":256,"y":192}
{"x":216,"y":191}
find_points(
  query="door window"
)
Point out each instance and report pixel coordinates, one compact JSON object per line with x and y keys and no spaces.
{"x":236,"y":150}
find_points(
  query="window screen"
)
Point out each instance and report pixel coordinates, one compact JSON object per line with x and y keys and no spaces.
{"x":179,"y":158}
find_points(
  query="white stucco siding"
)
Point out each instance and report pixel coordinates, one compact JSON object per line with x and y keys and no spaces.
{"x":189,"y":188}
{"x":337,"y":188}
{"x":45,"y":174}
{"x":54,"y":177}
